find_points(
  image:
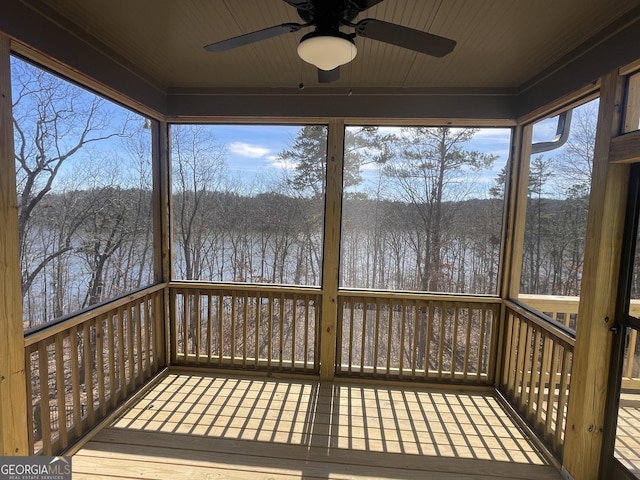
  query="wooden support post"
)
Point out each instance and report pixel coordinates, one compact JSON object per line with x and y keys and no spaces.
{"x":514,"y":221}
{"x":516,"y":189}
{"x":632,"y":110}
{"x":331,"y":257}
{"x":13,"y":394}
{"x":592,"y":355}
{"x":161,"y":199}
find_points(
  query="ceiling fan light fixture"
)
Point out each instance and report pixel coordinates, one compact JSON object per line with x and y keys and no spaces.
{"x":327,"y":50}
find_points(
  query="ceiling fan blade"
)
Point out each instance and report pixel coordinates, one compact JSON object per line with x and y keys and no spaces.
{"x":405,"y":37}
{"x":301,"y":4}
{"x":247,"y":38}
{"x":362,"y":5}
{"x":328,"y":76}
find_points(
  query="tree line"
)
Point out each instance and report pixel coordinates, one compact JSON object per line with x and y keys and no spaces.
{"x":419,"y":211}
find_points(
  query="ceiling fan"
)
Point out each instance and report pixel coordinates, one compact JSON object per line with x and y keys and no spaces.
{"x":327,"y":47}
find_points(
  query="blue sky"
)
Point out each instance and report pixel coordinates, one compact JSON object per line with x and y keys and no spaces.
{"x":251,"y":151}
{"x":253,"y":148}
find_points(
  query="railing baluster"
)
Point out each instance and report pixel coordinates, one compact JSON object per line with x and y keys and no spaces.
{"x":454,"y":344}
{"x":209,"y":326}
{"x":316,"y":333}
{"x":198,"y":315}
{"x":102,"y":400}
{"x":129,"y":322}
{"x":75,"y":382}
{"x":467,"y":353}
{"x":294,"y":315}
{"x":525,"y":367}
{"x":258,"y":326}
{"x":186,"y":312}
{"x":430,"y":312}
{"x":522,"y":338}
{"x":245,"y":314}
{"x":444,"y":313}
{"x":31,"y":422}
{"x":175,"y":324}
{"x":281,"y":305}
{"x":416,"y":335}
{"x":493,"y":340}
{"x":147,"y":303}
{"x":122,"y":381}
{"x":508,"y":366}
{"x":111,"y":318}
{"x":562,"y":400}
{"x":631,"y":350}
{"x":481,"y":340}
{"x":364,"y":335}
{"x":60,"y":390}
{"x":389,"y":337}
{"x":45,"y":412}
{"x":545,"y":362}
{"x":220,"y":328}
{"x":535,"y":374}
{"x":139,"y":378}
{"x":270,"y":330}
{"x":351,"y":327}
{"x":306,"y":336}
{"x":88,"y":377}
{"x":551,"y":396}
{"x":403,"y":321}
{"x":234,"y":300}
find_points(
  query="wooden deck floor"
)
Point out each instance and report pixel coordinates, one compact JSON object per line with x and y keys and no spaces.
{"x":627,"y":446}
{"x":223,"y":427}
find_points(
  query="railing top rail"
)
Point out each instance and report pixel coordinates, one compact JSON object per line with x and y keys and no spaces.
{"x":267,"y":287}
{"x":250,"y":287}
{"x":411,"y":295}
{"x":561,"y":332}
{"x":570,"y":299}
{"x":48,"y":330}
{"x":564,"y":303}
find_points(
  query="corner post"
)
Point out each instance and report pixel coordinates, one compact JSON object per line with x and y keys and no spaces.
{"x":514,"y":220}
{"x":592,"y":353}
{"x":13,"y":393}
{"x":162,"y":233}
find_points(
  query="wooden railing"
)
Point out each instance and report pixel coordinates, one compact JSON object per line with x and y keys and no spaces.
{"x":245,"y":326}
{"x":536,"y":372}
{"x":80,"y":369}
{"x":417,"y":337}
{"x":564,"y":310}
{"x":83,"y":367}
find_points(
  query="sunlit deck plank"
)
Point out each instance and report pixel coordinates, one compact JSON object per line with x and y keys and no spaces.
{"x":192,"y":426}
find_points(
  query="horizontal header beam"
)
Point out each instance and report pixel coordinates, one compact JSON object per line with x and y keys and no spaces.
{"x":42,"y":34}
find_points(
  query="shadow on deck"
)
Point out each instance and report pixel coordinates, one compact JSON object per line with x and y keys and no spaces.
{"x":221,"y":427}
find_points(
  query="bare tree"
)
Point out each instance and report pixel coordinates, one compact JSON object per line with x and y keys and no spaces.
{"x":53,"y":120}
{"x":198,"y":171}
{"x":431,"y":168}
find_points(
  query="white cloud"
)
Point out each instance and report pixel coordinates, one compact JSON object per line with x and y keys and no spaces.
{"x":248,"y":150}
{"x":277,"y":162}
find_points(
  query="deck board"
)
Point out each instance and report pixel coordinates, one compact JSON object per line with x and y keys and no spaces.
{"x":206,"y":427}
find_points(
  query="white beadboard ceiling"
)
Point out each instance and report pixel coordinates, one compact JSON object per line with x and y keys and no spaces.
{"x":501,"y":43}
